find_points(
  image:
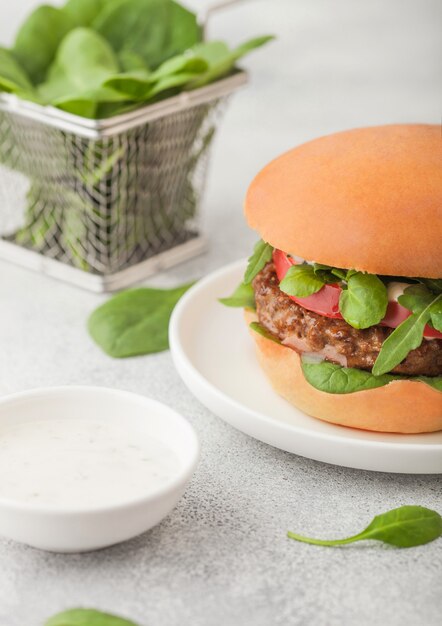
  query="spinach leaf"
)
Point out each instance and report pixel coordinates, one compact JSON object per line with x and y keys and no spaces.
{"x":91,"y":103}
{"x":188,"y":63}
{"x":133,"y":84}
{"x":417,"y":297}
{"x":184,"y":31}
{"x":250,"y":45}
{"x":408,"y":335}
{"x":153,"y":29}
{"x":94,"y":58}
{"x":221,"y":60}
{"x":212,"y":52}
{"x":143,"y":85}
{"x":38,"y":39}
{"x":94,"y":172}
{"x":256,"y":326}
{"x":339,"y":273}
{"x":242,"y":297}
{"x":364,"y":302}
{"x":87,"y":617}
{"x":84,"y":60}
{"x":301,"y":281}
{"x":320,"y":267}
{"x":130,"y":60}
{"x":433,"y":284}
{"x":327,"y":274}
{"x":135,"y":321}
{"x":83,"y":12}
{"x":436,"y":315}
{"x":262,"y":254}
{"x":168,"y":83}
{"x":194,"y":68}
{"x":405,"y":527}
{"x":333,"y":378}
{"x":13,"y":77}
{"x":433,"y":381}
{"x":138,"y":26}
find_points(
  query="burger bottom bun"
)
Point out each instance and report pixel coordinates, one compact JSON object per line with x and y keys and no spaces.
{"x":399,"y":407}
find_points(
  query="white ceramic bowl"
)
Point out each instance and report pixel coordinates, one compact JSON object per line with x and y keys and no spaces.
{"x":62,"y":529}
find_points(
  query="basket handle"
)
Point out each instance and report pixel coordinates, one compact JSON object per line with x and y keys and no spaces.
{"x":204,"y":16}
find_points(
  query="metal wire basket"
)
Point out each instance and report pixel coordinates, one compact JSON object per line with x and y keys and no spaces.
{"x":104,"y":203}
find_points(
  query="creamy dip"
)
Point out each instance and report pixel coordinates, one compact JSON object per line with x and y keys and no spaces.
{"x":395,"y":289}
{"x":80,"y":463}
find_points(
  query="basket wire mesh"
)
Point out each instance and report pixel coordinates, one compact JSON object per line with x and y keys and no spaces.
{"x":105,"y":203}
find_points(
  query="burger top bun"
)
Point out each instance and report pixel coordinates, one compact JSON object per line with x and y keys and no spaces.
{"x":368,"y":199}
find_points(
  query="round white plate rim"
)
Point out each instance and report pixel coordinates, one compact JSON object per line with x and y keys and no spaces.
{"x":203,"y":388}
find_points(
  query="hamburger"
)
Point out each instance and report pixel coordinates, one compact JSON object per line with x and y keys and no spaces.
{"x":343,"y":292}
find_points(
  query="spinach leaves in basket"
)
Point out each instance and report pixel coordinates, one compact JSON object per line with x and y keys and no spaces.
{"x":105,"y":204}
{"x":97,"y":58}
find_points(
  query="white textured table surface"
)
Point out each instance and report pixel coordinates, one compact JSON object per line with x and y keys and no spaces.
{"x":222,"y":558}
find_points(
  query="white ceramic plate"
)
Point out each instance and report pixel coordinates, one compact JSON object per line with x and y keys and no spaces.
{"x":215,"y":357}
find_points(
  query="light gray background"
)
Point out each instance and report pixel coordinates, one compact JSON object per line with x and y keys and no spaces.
{"x":222,"y":558}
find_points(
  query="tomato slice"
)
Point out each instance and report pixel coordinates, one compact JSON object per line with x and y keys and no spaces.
{"x":326,"y":300}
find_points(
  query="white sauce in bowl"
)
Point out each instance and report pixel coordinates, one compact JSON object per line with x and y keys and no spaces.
{"x":80,"y":463}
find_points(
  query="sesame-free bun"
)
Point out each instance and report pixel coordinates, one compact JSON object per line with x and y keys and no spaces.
{"x":399,"y":407}
{"x":368,"y":199}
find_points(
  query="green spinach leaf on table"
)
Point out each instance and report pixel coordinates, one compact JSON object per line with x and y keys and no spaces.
{"x":87,"y":617}
{"x":405,"y":527}
{"x":135,"y":322}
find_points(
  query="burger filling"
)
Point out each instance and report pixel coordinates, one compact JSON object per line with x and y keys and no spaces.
{"x":353,"y":330}
{"x":308,"y":332}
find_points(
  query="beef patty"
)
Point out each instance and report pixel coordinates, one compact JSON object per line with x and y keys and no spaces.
{"x":337,"y":341}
